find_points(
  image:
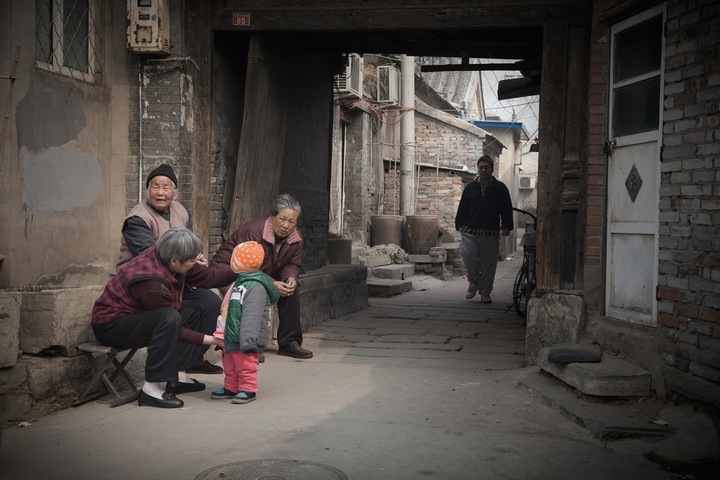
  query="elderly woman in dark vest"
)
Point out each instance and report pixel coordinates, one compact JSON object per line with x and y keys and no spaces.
{"x":139,"y":308}
{"x":143,"y":226}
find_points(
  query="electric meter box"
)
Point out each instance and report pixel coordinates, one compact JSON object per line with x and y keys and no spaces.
{"x":148,"y":26}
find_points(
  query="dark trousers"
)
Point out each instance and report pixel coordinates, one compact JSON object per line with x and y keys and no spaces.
{"x":200,"y":309}
{"x":157,"y":329}
{"x":289,"y":325}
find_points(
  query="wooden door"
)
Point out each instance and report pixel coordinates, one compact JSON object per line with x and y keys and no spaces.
{"x":636,"y":89}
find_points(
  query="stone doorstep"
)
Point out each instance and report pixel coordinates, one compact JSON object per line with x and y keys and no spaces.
{"x":387,"y":288}
{"x":398,"y":271}
{"x":611,"y":377}
{"x":606,"y":420}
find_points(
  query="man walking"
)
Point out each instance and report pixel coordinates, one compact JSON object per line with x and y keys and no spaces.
{"x":484,"y":213}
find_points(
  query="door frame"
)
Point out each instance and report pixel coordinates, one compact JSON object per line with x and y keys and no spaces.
{"x":629,"y":140}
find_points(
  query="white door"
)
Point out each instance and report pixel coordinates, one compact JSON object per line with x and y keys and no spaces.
{"x":636,"y":89}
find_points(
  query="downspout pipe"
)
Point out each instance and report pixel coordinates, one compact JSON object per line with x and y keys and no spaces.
{"x":407,"y":136}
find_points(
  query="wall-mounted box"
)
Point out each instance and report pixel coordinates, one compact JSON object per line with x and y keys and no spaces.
{"x":148,"y":26}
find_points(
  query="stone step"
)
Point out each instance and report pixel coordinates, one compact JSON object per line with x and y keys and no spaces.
{"x":611,"y":377}
{"x":372,"y":261}
{"x":397,"y":271}
{"x":379,"y":287}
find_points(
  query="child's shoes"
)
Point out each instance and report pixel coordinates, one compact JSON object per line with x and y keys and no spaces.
{"x":222,"y":394}
{"x":244,"y":397}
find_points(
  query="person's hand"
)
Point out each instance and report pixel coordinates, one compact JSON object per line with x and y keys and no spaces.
{"x":285,"y":289}
{"x":505,"y":232}
{"x":291,"y":284}
{"x":213,"y":340}
{"x":201,"y":259}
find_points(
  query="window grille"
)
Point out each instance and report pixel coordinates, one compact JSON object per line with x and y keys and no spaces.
{"x":68,"y":37}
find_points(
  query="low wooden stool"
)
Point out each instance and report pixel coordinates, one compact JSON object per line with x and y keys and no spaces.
{"x":107,"y":368}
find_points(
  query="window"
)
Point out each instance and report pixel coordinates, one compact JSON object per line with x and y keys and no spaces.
{"x":68,"y":37}
{"x":637,"y":62}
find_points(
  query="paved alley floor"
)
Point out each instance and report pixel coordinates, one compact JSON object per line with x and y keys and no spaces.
{"x":423,"y":385}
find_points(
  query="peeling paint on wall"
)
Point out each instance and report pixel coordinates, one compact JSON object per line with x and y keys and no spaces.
{"x":49,"y":117}
{"x":59,"y":179}
{"x":186,"y":102}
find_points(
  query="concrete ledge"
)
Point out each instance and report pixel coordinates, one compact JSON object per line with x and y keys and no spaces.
{"x":398,"y":271}
{"x":611,"y":377}
{"x":55,"y":321}
{"x":375,"y":260}
{"x":9,"y":328}
{"x":387,"y":288}
{"x":330,"y":292}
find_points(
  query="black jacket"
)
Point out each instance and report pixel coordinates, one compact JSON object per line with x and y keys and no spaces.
{"x":489,"y":210}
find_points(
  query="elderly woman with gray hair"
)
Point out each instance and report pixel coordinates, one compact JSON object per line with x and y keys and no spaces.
{"x":139,"y":308}
{"x":282,"y":243}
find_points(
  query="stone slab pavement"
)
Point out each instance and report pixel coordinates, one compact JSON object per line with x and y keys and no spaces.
{"x":421,"y":385}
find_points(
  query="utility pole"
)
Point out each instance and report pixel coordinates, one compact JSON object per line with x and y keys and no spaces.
{"x":407,"y":136}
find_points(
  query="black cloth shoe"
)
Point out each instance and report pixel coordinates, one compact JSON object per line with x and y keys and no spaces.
{"x":177,"y":388}
{"x":168,"y":400}
{"x":206,"y":368}
{"x":293,"y":349}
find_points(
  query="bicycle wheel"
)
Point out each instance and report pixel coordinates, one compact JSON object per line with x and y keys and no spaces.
{"x":519,"y":288}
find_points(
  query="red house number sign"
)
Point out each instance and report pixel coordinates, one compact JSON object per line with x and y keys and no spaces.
{"x":241,"y":19}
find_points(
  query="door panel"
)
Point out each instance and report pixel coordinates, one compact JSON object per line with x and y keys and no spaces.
{"x":633,"y":173}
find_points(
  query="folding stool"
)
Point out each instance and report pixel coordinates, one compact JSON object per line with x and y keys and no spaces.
{"x":107,"y":368}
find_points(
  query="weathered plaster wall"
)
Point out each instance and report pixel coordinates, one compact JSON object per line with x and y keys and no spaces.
{"x":62,"y":149}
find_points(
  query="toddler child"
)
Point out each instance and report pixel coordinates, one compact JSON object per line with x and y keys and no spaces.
{"x":243,"y":323}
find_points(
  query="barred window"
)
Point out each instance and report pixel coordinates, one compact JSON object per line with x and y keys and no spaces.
{"x":68,"y":37}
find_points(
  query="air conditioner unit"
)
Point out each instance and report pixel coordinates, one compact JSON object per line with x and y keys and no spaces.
{"x":350,"y":82}
{"x":526,"y":182}
{"x":388,"y":84}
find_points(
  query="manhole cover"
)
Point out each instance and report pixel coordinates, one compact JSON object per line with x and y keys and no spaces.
{"x":272,"y":470}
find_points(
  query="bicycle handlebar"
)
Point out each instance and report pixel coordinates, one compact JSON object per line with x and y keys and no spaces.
{"x":526,"y":213}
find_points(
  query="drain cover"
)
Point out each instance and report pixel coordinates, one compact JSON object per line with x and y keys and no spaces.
{"x":272,"y":470}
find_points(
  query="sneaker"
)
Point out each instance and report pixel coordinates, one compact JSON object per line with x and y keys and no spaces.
{"x":261,"y":358}
{"x":293,"y":349}
{"x":222,"y":394}
{"x":244,"y":397}
{"x":206,"y":368}
{"x":472,"y":290}
{"x":485,"y":296}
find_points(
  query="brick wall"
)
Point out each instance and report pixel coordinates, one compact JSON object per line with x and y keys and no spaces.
{"x":593,"y":265}
{"x":440,"y":149}
{"x":439,"y":143}
{"x":689,"y":264}
{"x":360,"y":182}
{"x":438,"y":193}
{"x":689,"y":224}
{"x":159,"y":121}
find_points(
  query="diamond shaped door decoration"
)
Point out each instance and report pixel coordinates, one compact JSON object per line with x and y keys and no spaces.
{"x":633,"y":182}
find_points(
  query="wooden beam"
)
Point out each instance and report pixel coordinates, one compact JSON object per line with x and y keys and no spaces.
{"x":329,"y":15}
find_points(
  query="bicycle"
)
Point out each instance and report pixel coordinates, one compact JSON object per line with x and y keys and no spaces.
{"x":525,"y":280}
